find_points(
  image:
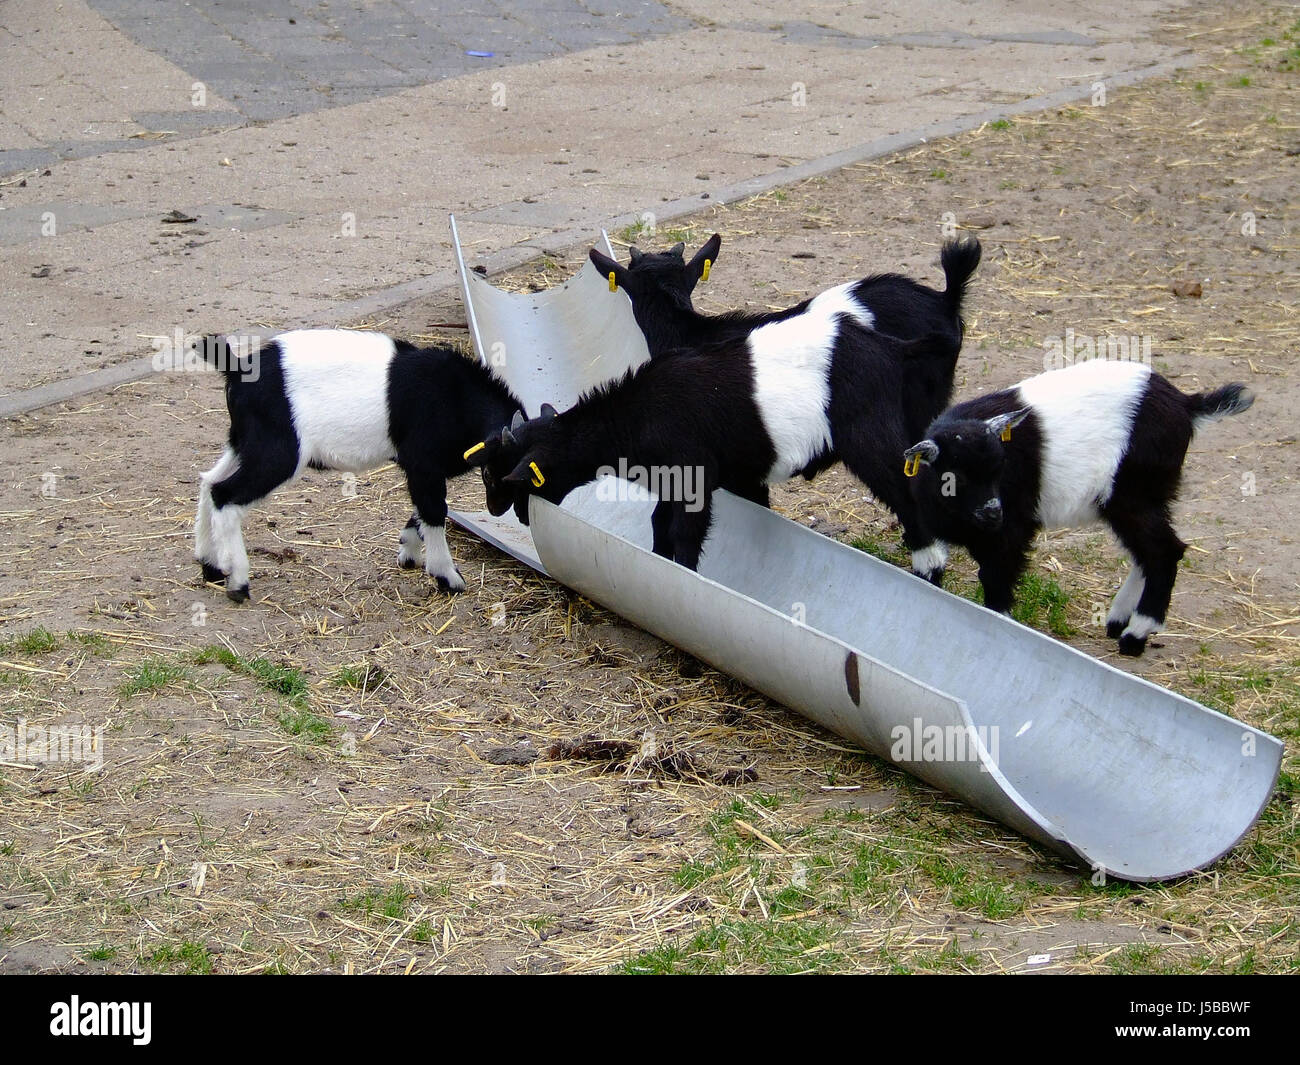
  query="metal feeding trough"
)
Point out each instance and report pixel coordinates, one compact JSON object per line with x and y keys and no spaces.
{"x":1105,"y":767}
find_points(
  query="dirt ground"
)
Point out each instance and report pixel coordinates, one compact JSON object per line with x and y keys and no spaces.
{"x":352,"y":772}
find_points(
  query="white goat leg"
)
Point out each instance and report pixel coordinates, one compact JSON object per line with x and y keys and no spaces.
{"x":437,"y":558}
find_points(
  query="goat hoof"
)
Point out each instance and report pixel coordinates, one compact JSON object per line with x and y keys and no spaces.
{"x":408,"y":563}
{"x":454,"y":584}
{"x":1115,"y":629}
{"x":237,"y":595}
{"x":212,"y":574}
{"x":1131,"y":646}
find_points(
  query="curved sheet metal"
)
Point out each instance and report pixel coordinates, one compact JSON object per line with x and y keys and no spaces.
{"x":1105,"y":767}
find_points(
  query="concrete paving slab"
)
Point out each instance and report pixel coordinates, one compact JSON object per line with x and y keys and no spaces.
{"x":592,"y":136}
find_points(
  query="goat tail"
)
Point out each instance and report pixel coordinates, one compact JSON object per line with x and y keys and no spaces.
{"x":1221,"y":403}
{"x":959,"y":259}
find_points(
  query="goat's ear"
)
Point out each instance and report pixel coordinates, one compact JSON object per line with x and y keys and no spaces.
{"x":634,"y":254}
{"x":918,"y":455}
{"x":547,"y":411}
{"x":1004,"y":423}
{"x":678,"y":249}
{"x":608,"y":266}
{"x":704,"y":259}
{"x":517,"y":420}
{"x":527,"y":472}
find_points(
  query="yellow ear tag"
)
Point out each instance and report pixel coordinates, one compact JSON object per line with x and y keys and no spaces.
{"x":538,"y":479}
{"x":1006,"y":433}
{"x":613,"y":285}
{"x":912,"y":465}
{"x":477,"y":447}
{"x":708,"y":265}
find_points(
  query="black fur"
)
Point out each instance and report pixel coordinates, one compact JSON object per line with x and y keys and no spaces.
{"x":697,"y":409}
{"x":660,"y":285}
{"x":974,"y":466}
{"x":439,"y":403}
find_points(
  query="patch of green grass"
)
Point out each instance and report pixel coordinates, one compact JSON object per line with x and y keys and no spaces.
{"x":302,"y":722}
{"x":1040,"y":600}
{"x":103,"y":952}
{"x":951,"y":959}
{"x":364,"y":677}
{"x":1243,"y":81}
{"x":192,"y":955}
{"x":1276,"y":689}
{"x":1000,"y":123}
{"x":95,"y":642}
{"x":893,"y":553}
{"x":772,"y":947}
{"x":639,"y":229}
{"x":38,"y":641}
{"x":391,"y":903}
{"x":939,"y":174}
{"x":151,"y":675}
{"x":285,"y":681}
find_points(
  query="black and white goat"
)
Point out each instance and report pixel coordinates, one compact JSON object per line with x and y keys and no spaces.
{"x":791,"y":397}
{"x":337,"y":399}
{"x":660,"y":285}
{"x":1096,"y":441}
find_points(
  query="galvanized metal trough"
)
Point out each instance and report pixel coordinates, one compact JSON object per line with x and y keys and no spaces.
{"x":1126,"y":777}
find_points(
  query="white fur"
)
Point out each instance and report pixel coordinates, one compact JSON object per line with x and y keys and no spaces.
{"x":1141,"y":626}
{"x":336,"y":381}
{"x":228,"y":537}
{"x":410,"y":547}
{"x":1126,"y":599}
{"x":204,"y":542}
{"x":792,"y":361}
{"x":1086,"y":413}
{"x":437,"y":557}
{"x":337,"y":384}
{"x":929,"y":559}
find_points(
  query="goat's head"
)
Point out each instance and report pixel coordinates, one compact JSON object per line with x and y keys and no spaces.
{"x":957,"y":469}
{"x":665,"y":272}
{"x":513,"y":463}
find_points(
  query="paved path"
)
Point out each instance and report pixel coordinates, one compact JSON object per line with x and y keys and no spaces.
{"x":319,"y":146}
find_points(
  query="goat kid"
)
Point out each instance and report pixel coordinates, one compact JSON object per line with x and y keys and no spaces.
{"x":790,"y":398}
{"x":660,"y":285}
{"x":337,"y":399}
{"x":1096,"y":441}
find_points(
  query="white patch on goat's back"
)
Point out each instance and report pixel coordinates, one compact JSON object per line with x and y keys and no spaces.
{"x":792,"y":365}
{"x":1085,"y":413}
{"x":337,"y":383}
